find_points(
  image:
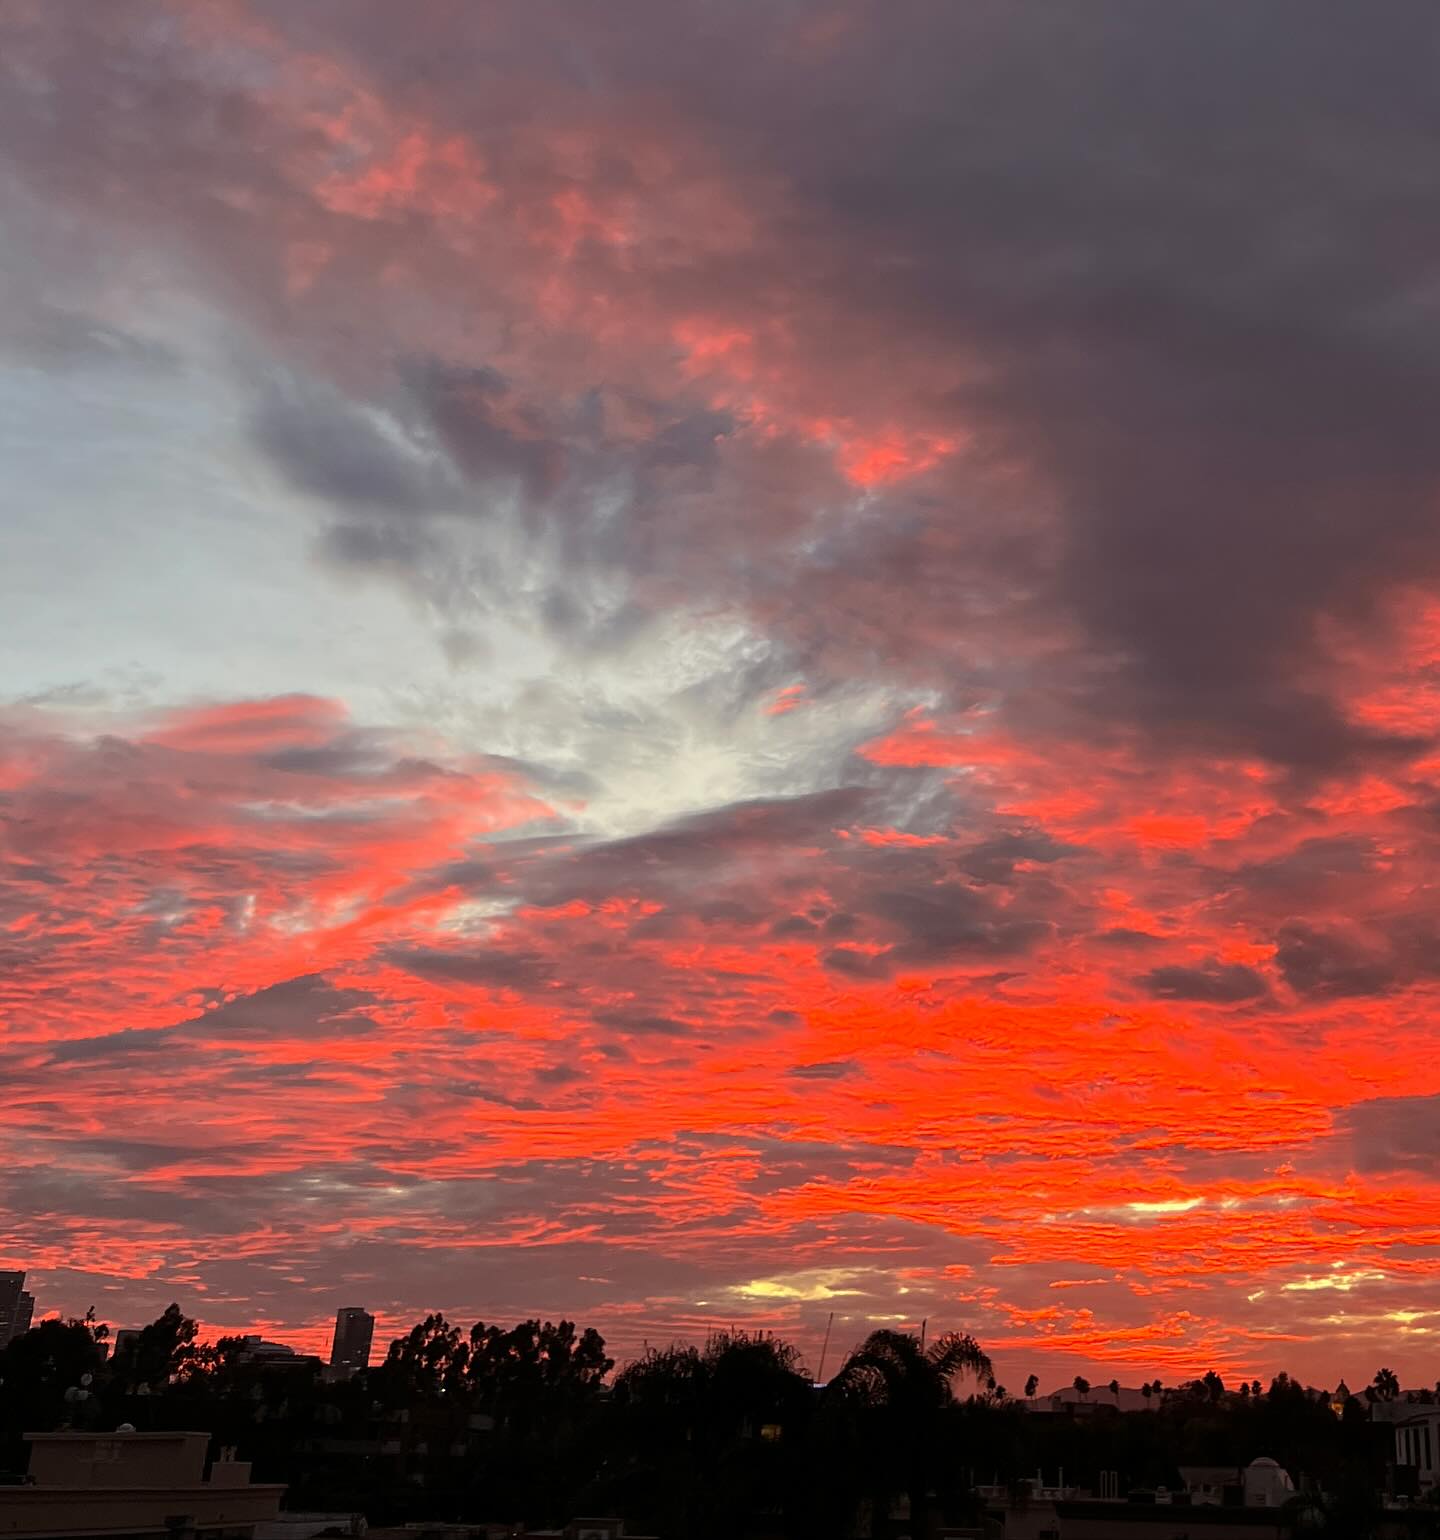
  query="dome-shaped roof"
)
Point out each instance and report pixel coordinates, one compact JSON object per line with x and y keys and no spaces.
{"x":1264,"y":1462}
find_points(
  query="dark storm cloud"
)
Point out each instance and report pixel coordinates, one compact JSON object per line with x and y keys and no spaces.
{"x":1123,"y":936}
{"x":435,"y":442}
{"x":483,"y":964}
{"x":995,"y":860}
{"x":443,"y":440}
{"x":1189,"y":268}
{"x":888,"y":906}
{"x":1183,"y":282}
{"x":952,"y":921}
{"x":1187,"y":314}
{"x":831,"y":1069}
{"x":297,"y":1008}
{"x":462,"y":408}
{"x":559,"y":1075}
{"x":1313,"y":866}
{"x":704,"y":843}
{"x":641,"y":1023}
{"x":178,"y":1052}
{"x":114,"y":1047}
{"x":1395,"y":1133}
{"x":1215,"y":983}
{"x":1324,"y":962}
{"x":335,"y":451}
{"x":689,"y":441}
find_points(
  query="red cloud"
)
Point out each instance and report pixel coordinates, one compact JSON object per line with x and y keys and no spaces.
{"x":1090,"y":963}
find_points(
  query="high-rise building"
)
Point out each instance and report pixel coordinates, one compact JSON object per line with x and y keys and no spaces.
{"x":121,"y":1341}
{"x":17,"y":1307}
{"x":354,"y":1332}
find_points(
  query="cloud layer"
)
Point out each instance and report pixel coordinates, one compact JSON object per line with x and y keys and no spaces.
{"x":767,"y":661}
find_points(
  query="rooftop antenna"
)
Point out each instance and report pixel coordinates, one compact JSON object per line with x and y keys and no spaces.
{"x":825,"y":1348}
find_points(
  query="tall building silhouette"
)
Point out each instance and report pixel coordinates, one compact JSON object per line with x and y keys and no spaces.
{"x":17,"y":1306}
{"x":354,"y":1331}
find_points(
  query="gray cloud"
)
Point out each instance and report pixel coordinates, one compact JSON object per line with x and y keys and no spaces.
{"x":1200,"y":327}
{"x":1169,"y":306}
{"x":831,"y":1069}
{"x":334,"y":450}
{"x":302,"y":1007}
{"x":1216,"y":983}
{"x":1395,"y":1133}
{"x":1319,"y":962}
{"x":481,"y":964}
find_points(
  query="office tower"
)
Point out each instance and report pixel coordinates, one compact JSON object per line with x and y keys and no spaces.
{"x":122,"y":1341}
{"x":15,"y":1306}
{"x":354,"y":1330}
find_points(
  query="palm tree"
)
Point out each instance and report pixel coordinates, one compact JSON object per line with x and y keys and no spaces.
{"x":693,"y":1424}
{"x":1386,"y":1384}
{"x":1032,"y":1385}
{"x":1082,"y":1386}
{"x":1115,"y":1389}
{"x":902,"y":1389}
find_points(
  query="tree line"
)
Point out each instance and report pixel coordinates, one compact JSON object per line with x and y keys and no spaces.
{"x":531,"y":1424}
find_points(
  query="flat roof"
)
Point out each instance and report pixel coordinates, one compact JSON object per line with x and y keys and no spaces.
{"x":72,"y":1436}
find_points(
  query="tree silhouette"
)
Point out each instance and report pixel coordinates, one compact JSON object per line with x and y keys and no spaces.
{"x":163,"y":1352}
{"x":1032,"y":1385}
{"x":904,"y":1388}
{"x":41,"y":1367}
{"x":513,"y":1399}
{"x":890,"y":1368}
{"x":507,"y":1374}
{"x":727,"y":1440}
{"x":428,"y":1361}
{"x":1115,"y":1389}
{"x":1386,"y":1384}
{"x":1282,"y":1387}
{"x":706,"y":1435}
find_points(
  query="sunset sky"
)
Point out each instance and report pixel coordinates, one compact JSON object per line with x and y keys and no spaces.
{"x":694,"y":662}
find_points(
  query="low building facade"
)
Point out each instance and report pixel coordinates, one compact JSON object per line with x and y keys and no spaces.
{"x":1417,"y":1445}
{"x":133,"y":1486}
